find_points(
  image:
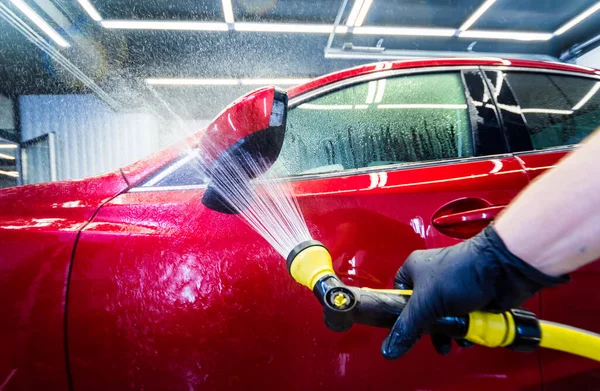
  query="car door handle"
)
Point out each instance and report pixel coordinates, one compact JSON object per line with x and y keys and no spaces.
{"x":468,"y":217}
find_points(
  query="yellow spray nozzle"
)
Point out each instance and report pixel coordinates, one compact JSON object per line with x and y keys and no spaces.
{"x":309,"y":262}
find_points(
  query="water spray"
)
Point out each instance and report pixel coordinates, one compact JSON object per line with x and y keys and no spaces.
{"x":270,"y":208}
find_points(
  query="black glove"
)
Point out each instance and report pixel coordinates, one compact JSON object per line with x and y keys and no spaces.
{"x":477,"y":274}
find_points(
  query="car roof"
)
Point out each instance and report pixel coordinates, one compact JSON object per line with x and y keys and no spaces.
{"x":424,"y":63}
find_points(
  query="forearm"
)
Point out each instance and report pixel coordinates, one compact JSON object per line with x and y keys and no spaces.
{"x":554,"y":224}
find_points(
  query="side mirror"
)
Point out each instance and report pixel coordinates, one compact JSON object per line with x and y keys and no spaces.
{"x":242,"y":143}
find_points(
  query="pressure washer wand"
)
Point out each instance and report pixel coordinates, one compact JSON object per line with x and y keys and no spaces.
{"x":310,"y":264}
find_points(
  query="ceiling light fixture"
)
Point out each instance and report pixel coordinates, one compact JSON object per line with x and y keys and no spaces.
{"x":8,"y":146}
{"x":163,"y":25}
{"x":514,"y":35}
{"x":587,"y":96}
{"x":547,"y":111}
{"x":91,"y":11}
{"x":410,"y":31}
{"x":228,"y":11}
{"x":13,"y":174}
{"x":5,"y":156}
{"x":477,"y":14}
{"x":356,"y":7}
{"x":578,"y":19}
{"x":288,"y":28}
{"x":363,"y":12}
{"x":223,"y":82}
{"x":41,"y":23}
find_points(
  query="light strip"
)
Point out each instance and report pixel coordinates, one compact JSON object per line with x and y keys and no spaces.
{"x":13,"y":174}
{"x":91,"y":11}
{"x":411,"y":31}
{"x":587,"y":96}
{"x":380,"y":91}
{"x":228,"y":11}
{"x":363,"y":12}
{"x":5,"y":156}
{"x":288,"y":28}
{"x":163,"y":25}
{"x":8,"y":146}
{"x":477,"y":14}
{"x":515,"y":35}
{"x":547,"y":111}
{"x":41,"y":23}
{"x":272,"y":81}
{"x":372,"y":88}
{"x":354,"y":12}
{"x":578,"y":19}
{"x":310,"y":106}
{"x":422,"y":106}
{"x":222,"y":82}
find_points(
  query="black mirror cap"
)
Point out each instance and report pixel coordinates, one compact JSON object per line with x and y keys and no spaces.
{"x":254,"y":154}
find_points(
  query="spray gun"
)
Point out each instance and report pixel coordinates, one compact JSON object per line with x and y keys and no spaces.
{"x":310,"y":264}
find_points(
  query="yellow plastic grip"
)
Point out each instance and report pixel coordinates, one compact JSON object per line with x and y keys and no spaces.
{"x":490,"y":329}
{"x":310,"y":265}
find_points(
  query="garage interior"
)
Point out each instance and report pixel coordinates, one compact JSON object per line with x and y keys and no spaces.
{"x":88,"y":86}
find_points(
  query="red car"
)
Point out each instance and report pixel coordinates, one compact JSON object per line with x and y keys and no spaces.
{"x":127,"y":281}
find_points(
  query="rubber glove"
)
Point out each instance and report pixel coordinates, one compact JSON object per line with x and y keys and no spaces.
{"x":477,"y":274}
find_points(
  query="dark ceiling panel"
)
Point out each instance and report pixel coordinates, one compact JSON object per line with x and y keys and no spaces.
{"x":206,"y":10}
{"x":420,"y":13}
{"x":539,"y":15}
{"x":290,"y":11}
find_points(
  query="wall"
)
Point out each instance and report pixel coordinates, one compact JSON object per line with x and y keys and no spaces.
{"x":90,"y":138}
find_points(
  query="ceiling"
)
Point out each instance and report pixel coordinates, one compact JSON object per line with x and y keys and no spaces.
{"x":119,"y":60}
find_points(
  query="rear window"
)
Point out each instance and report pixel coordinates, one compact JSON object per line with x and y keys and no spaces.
{"x":559,"y":110}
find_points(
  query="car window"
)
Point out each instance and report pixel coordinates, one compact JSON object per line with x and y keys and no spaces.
{"x":559,"y":110}
{"x":397,"y":120}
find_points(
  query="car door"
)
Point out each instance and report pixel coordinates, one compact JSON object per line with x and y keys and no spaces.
{"x":548,"y":115}
{"x":166,"y":293}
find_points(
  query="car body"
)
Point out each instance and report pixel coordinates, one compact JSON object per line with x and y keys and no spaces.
{"x":124,"y":281}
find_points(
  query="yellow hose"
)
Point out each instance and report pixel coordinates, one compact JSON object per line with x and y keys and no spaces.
{"x":570,"y":339}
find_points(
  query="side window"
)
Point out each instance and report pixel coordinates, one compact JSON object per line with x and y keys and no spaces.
{"x":387,"y":121}
{"x":185,"y":171}
{"x":559,"y":110}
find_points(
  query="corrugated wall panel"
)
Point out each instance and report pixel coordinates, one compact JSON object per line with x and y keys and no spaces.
{"x":90,"y":137}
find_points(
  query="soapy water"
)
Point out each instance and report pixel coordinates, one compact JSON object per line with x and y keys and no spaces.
{"x":267,"y":203}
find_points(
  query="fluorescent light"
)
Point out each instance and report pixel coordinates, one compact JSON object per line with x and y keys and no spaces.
{"x":228,"y":11}
{"x":477,"y":14}
{"x":5,"y":156}
{"x":410,"y":31}
{"x":516,"y":35}
{"x":372,"y":87}
{"x":422,"y":106}
{"x":272,"y":81}
{"x":547,"y":111}
{"x":380,"y":90}
{"x":587,"y":96}
{"x":13,"y":174}
{"x":311,"y":106}
{"x":578,"y":19}
{"x":91,"y":11}
{"x":193,"y":82}
{"x":288,"y":28}
{"x":363,"y":12}
{"x":354,"y":12}
{"x":41,"y":23}
{"x":163,"y":25}
{"x":8,"y":146}
{"x":223,"y":82}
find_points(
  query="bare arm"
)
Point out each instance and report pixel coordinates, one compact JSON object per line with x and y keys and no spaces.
{"x":554,"y":224}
